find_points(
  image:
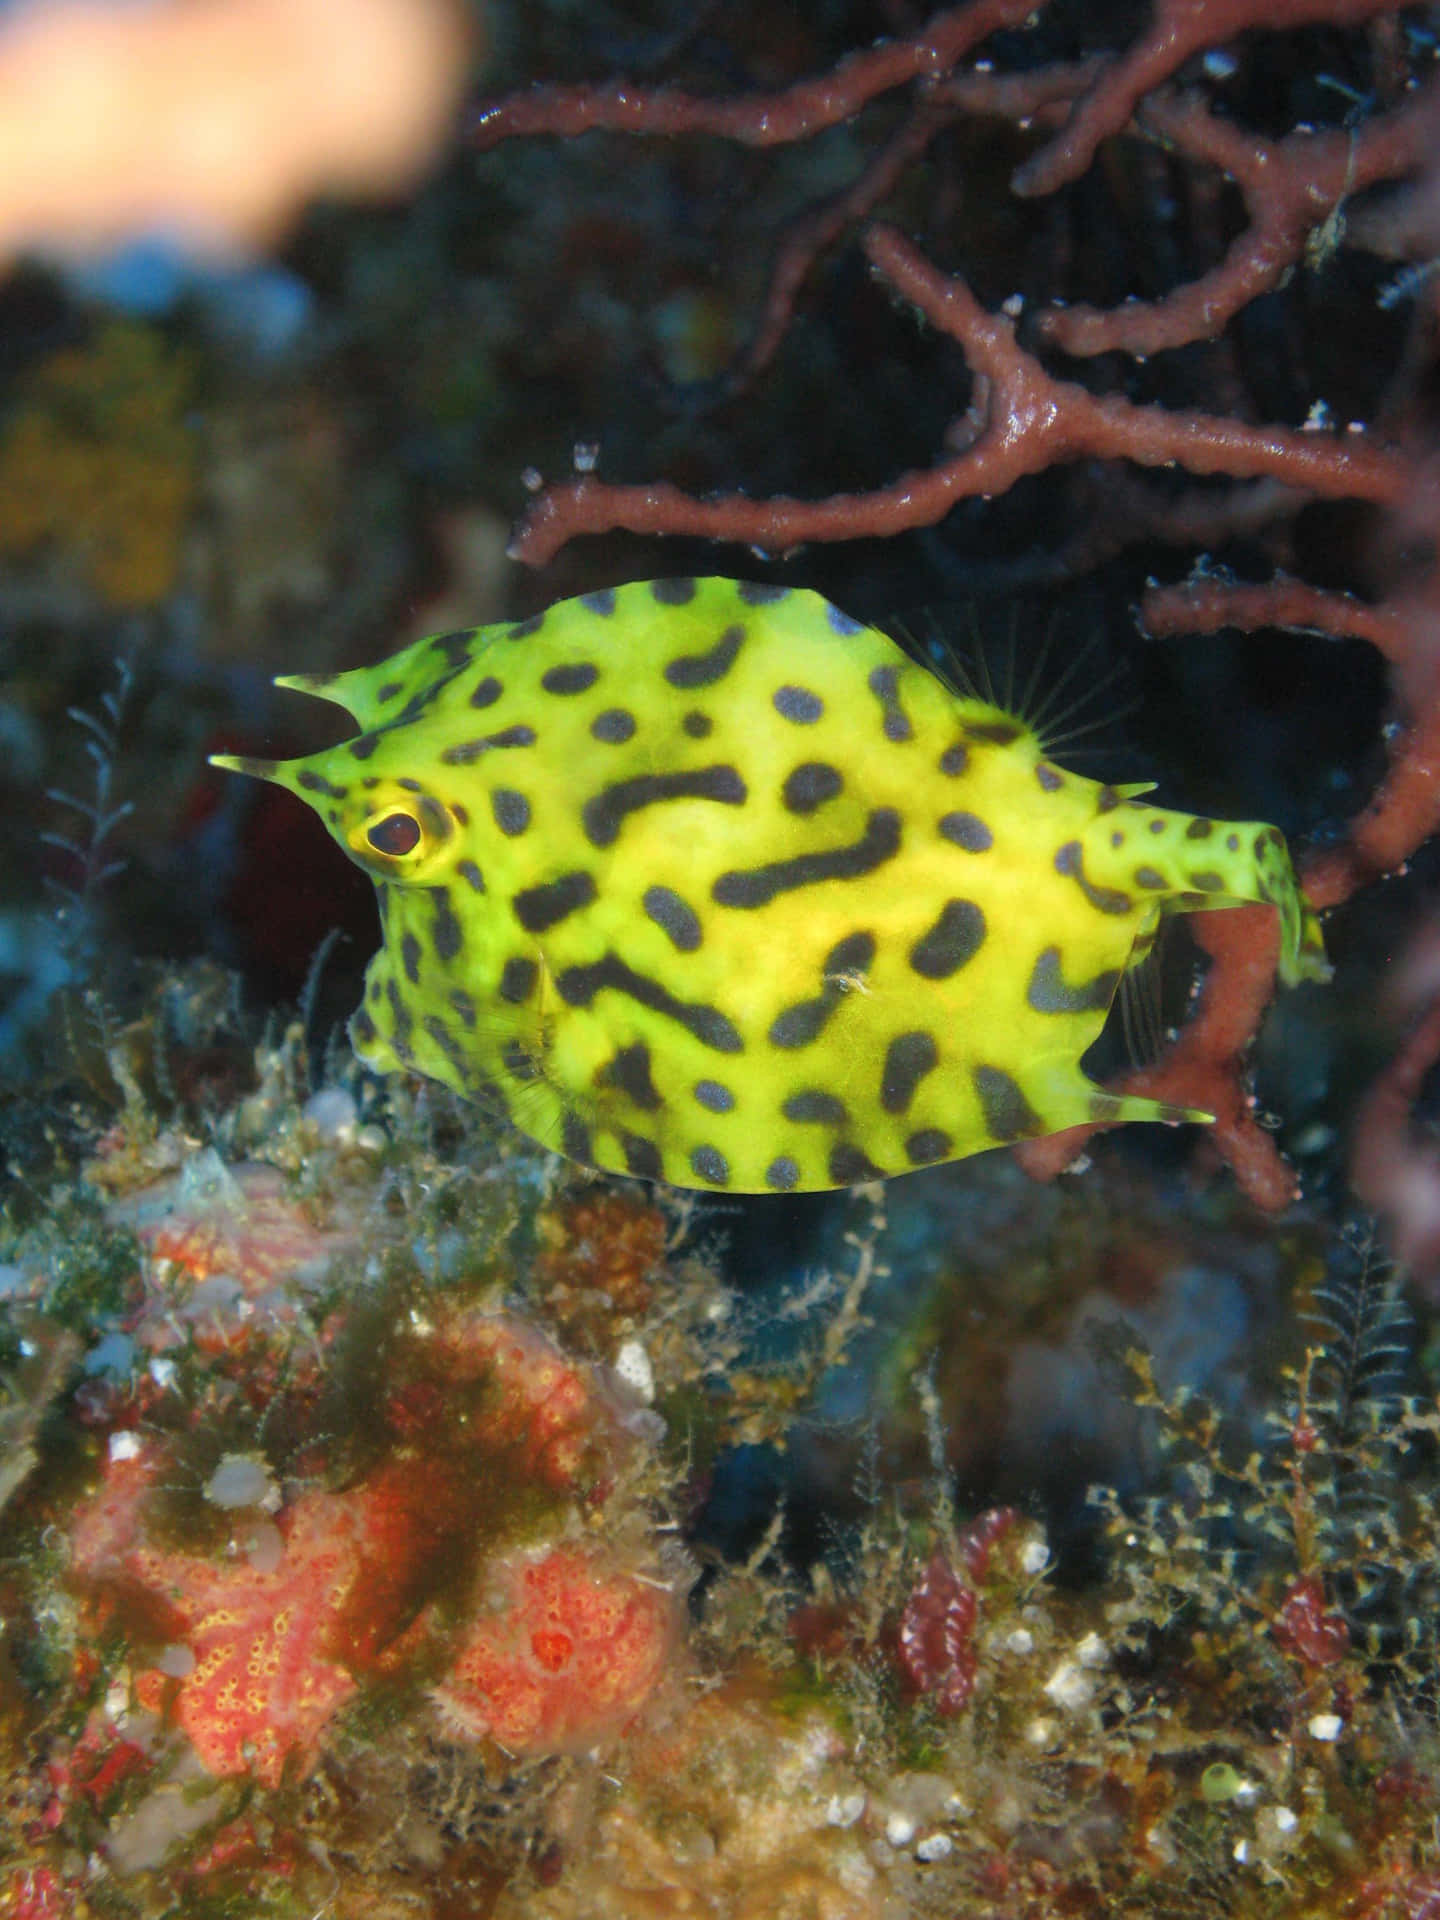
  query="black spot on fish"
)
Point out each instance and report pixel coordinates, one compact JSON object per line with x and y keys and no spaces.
{"x":954,"y":760}
{"x":689,"y":670}
{"x":465,"y":752}
{"x":927,"y":1146}
{"x":517,"y":979}
{"x":1208,"y":882}
{"x":711,"y":1094}
{"x":967,"y":830}
{"x":782,"y":1174}
{"x":487,"y":692}
{"x":1008,"y":1114}
{"x":1070,"y":861}
{"x":471,"y":875}
{"x":675,"y":917}
{"x":1050,"y":778}
{"x":438,"y":823}
{"x":1232,"y":841}
{"x":575,"y":1139}
{"x":955,"y":939}
{"x":578,"y":678}
{"x":604,"y":815}
{"x":390,"y":691}
{"x":812,"y":1104}
{"x":1158,"y":826}
{"x":399,"y":1013}
{"x":629,"y":1070}
{"x":410,"y":958}
{"x":842,"y":623}
{"x":614,"y":726}
{"x":757,"y":886}
{"x":578,"y":986}
{"x":1048,"y":992}
{"x":798,"y":704}
{"x":810,"y":785}
{"x":317,"y":783}
{"x":1104,"y":1106}
{"x":447,"y":932}
{"x":1106,"y":800}
{"x":673,"y":593}
{"x":362,"y":1029}
{"x":642,"y":1157}
{"x":1199,"y":829}
{"x":908,"y":1058}
{"x":854,"y":954}
{"x":464,"y":1006}
{"x":456,"y":647}
{"x":365,"y":745}
{"x":448,"y":1044}
{"x":994,"y":733}
{"x":540,"y":908}
{"x":462,"y":814}
{"x":759,"y":593}
{"x":522,"y":629}
{"x":884,"y":683}
{"x":602,"y":601}
{"x":698,"y":725}
{"x":511,"y":810}
{"x":849,"y":1164}
{"x":519,"y":1062}
{"x":802,"y":1024}
{"x":1150,"y":878}
{"x":711,"y":1165}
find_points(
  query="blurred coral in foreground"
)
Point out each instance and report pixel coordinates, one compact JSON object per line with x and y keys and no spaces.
{"x":215,"y":121}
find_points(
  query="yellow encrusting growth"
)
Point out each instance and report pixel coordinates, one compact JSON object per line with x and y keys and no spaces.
{"x":707,"y":882}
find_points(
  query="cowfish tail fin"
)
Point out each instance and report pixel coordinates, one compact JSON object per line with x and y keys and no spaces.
{"x":1302,"y":945}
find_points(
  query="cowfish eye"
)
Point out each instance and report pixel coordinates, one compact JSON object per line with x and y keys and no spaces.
{"x":397,"y":834}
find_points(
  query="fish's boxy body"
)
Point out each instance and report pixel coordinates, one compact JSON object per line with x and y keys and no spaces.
{"x":707,"y":882}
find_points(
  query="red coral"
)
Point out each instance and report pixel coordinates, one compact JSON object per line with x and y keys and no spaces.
{"x":1306,"y":1628}
{"x":573,"y":1649}
{"x":1306,"y":193}
{"x":487,"y":1414}
{"x":937,"y":1637}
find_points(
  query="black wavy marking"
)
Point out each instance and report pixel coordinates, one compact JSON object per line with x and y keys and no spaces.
{"x":1048,"y":991}
{"x":801,"y":1024}
{"x":688,"y":670}
{"x":629,"y":1070}
{"x":539,"y":908}
{"x":465,"y":752}
{"x":605,"y":814}
{"x":1008,"y":1114}
{"x":884,"y":683}
{"x":1070,"y":861}
{"x":757,"y":886}
{"x":578,"y":986}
